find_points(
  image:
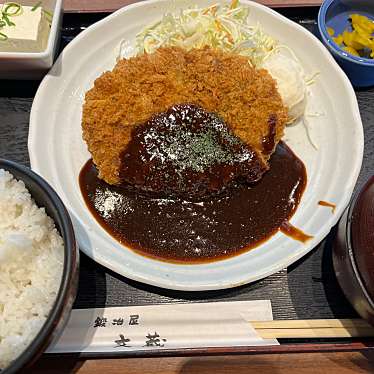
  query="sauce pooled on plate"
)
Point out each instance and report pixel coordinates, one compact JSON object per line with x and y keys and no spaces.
{"x":172,"y":227}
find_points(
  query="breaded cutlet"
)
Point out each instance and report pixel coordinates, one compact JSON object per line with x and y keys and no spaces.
{"x":140,"y":87}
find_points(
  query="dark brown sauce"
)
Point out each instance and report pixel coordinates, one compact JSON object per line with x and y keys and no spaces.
{"x":268,"y":142}
{"x":188,"y":151}
{"x":218,"y":227}
{"x":327,"y":204}
{"x":294,"y":232}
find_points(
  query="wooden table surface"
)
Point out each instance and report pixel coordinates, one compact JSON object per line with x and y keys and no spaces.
{"x":296,"y":363}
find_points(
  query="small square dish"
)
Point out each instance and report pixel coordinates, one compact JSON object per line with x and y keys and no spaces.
{"x":29,"y":34}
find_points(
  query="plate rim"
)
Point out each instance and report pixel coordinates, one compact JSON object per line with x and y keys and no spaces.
{"x":245,"y":279}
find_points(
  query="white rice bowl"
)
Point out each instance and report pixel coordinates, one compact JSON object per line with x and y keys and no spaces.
{"x":31,"y":265}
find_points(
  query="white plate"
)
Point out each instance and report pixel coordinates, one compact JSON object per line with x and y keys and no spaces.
{"x":57,"y":150}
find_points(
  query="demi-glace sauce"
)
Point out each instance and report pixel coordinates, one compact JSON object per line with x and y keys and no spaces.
{"x":188,"y":151}
{"x":327,"y":204}
{"x":217,"y":227}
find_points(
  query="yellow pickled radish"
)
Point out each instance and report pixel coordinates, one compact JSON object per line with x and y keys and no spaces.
{"x":330,"y":31}
{"x":360,"y":30}
{"x":364,"y":22}
{"x":351,"y":51}
{"x":358,"y":41}
{"x":349,"y":39}
{"x":338,"y":40}
{"x":362,"y":40}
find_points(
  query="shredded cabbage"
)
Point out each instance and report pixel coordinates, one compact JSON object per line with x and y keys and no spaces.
{"x":222,"y":27}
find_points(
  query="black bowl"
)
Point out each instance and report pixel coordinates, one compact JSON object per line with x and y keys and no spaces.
{"x":353,"y":252}
{"x":46,"y":197}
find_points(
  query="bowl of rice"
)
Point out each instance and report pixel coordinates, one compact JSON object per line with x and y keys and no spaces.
{"x":38,"y":266}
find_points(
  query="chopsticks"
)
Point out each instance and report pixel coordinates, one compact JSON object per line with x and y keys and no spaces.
{"x":314,"y":328}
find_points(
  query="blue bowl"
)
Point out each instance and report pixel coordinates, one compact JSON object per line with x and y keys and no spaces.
{"x":335,"y":14}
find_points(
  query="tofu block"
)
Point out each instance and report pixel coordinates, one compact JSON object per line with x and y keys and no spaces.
{"x":30,"y":33}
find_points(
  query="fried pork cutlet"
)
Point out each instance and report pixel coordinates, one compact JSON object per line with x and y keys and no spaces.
{"x":141,"y":87}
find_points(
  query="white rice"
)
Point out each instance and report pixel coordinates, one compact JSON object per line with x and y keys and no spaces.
{"x":31,"y":263}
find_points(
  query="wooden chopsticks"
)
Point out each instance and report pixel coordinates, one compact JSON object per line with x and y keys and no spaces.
{"x":315,"y":328}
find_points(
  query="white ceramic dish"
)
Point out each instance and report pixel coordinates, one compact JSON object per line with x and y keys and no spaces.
{"x":17,"y":65}
{"x":57,"y":150}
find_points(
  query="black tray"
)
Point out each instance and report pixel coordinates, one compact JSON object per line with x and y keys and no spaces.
{"x":306,"y":290}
